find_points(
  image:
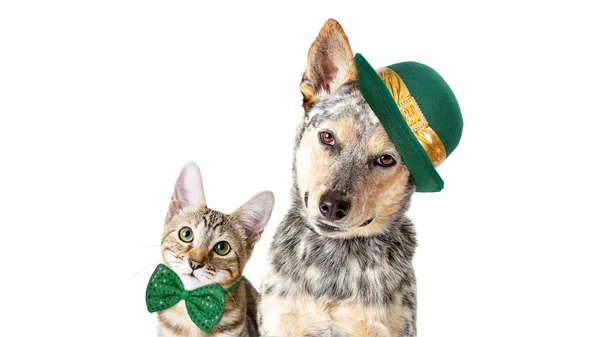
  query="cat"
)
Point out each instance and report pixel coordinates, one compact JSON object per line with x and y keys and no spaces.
{"x":205,"y":247}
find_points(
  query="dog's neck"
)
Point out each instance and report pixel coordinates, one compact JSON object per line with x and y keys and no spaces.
{"x":334,"y":268}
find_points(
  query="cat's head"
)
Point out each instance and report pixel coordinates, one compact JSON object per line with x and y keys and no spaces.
{"x":204,"y":246}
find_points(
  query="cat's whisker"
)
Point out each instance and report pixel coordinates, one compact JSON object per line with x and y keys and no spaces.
{"x":150,"y":246}
{"x":173,"y":254}
{"x":148,"y":266}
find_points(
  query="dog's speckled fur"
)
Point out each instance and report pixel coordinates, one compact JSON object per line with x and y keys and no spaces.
{"x":358,"y":280}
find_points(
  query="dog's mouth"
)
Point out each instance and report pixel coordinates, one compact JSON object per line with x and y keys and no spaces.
{"x":325,"y":228}
{"x":368,"y":221}
{"x":329,"y":229}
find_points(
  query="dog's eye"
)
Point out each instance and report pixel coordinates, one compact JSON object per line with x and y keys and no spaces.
{"x":222,"y":248}
{"x":386,"y":160}
{"x":186,"y":234}
{"x":327,"y":137}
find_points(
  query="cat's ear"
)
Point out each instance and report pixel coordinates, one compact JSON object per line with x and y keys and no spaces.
{"x":254,"y":215}
{"x":189,"y":191}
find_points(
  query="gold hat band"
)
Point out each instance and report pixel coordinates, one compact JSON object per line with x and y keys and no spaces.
{"x":429,"y":140}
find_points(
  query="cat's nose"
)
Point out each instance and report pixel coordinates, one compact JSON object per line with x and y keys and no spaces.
{"x":195,"y":263}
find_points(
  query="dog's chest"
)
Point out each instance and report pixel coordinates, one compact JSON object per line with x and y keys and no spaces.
{"x":335,"y":293}
{"x":372,"y":273}
{"x":320,"y":287}
{"x":303,"y":316}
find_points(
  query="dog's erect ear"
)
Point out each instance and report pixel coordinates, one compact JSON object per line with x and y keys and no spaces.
{"x":189,"y":190}
{"x":330,"y":64}
{"x":254,"y":215}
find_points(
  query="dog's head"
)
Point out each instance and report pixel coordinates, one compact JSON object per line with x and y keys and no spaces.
{"x":350,"y":178}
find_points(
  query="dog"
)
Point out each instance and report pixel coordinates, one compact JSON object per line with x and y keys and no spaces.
{"x":340,"y":263}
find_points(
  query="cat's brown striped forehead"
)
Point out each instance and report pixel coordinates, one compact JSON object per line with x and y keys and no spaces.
{"x":205,"y":222}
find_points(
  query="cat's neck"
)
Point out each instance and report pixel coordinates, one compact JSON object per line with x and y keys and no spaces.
{"x":175,"y":321}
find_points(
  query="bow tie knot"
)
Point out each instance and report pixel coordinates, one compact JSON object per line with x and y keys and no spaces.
{"x":205,"y":305}
{"x":185,"y":294}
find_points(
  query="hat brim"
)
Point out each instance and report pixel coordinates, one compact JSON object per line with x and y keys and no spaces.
{"x":382,"y":103}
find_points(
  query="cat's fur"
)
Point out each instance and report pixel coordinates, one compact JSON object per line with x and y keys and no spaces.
{"x":350,"y":276}
{"x":241,"y":230}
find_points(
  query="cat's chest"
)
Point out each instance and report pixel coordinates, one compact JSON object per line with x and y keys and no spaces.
{"x":175,"y":322}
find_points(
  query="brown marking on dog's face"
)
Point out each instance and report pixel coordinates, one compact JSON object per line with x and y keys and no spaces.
{"x":330,"y":64}
{"x":345,"y":171}
{"x":348,"y":168}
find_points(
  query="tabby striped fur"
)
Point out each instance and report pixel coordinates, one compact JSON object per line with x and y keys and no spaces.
{"x":240,"y":230}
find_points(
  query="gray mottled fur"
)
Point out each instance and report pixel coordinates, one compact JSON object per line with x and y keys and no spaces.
{"x":337,"y":265}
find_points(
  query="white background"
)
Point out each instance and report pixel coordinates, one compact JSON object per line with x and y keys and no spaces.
{"x":103,"y":102}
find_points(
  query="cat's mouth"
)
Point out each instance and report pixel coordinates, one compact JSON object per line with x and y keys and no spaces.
{"x":192,"y":276}
{"x":196,"y":278}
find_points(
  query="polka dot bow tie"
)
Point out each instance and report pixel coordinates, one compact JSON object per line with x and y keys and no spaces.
{"x":204,"y":305}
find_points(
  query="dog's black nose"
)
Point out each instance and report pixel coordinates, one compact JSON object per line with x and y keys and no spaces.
{"x":195,"y":264}
{"x":333,"y":208}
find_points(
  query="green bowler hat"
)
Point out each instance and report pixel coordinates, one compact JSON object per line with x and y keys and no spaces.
{"x":419,"y":112}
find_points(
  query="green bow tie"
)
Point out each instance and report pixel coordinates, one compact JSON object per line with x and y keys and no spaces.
{"x":205,"y":305}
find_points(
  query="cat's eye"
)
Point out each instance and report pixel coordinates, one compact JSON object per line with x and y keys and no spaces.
{"x":222,"y":248}
{"x":385,"y":160}
{"x":186,"y":234}
{"x":327,"y":137}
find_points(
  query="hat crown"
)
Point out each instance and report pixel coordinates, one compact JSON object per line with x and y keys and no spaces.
{"x":421,"y":116}
{"x":436,"y":100}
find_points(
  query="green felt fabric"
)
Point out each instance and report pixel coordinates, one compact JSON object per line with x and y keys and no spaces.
{"x":204,"y":305}
{"x":438,"y":104}
{"x":436,"y":100}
